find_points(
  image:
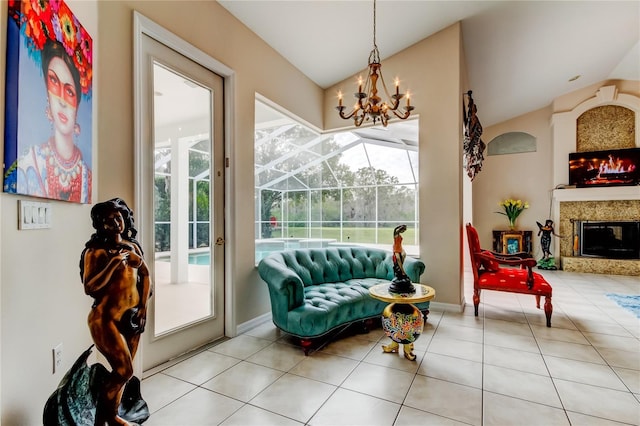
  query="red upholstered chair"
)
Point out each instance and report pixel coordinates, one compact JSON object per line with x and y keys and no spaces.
{"x":489,"y":273}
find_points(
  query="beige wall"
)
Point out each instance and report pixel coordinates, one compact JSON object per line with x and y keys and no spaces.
{"x":43,"y":302}
{"x":524,"y":176}
{"x":432,"y":70}
{"x":467,"y":185}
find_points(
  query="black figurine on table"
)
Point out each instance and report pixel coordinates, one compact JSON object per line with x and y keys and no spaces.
{"x":400,"y":283}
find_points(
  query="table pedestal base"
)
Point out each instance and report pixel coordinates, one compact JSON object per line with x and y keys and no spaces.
{"x":403,"y":323}
{"x":401,"y":320}
{"x":393,"y":347}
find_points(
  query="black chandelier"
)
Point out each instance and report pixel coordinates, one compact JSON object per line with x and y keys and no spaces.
{"x":369,"y":105}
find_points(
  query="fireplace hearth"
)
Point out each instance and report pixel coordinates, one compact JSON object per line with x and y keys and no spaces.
{"x":608,"y":239}
{"x":604,"y":204}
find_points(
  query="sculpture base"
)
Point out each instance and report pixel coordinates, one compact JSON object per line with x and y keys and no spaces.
{"x":548,"y":264}
{"x":402,"y":285}
{"x":75,"y":400}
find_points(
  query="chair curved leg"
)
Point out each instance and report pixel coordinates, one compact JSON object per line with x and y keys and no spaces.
{"x":548,"y":309}
{"x":538,"y":301}
{"x":476,"y":300}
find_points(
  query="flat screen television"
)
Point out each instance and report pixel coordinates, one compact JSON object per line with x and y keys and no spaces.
{"x":613,"y":167}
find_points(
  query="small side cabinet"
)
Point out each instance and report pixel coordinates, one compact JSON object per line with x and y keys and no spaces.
{"x":510,"y":242}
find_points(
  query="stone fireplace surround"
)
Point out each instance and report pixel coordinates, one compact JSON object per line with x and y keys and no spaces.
{"x":615,"y":203}
{"x":599,"y":203}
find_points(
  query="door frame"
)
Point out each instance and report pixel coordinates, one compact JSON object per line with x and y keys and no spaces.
{"x":143,"y":25}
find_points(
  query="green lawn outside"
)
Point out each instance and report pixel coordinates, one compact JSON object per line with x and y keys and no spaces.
{"x":349,"y":234}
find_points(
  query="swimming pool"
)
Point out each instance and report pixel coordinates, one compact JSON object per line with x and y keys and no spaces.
{"x":265,"y":248}
{"x":203,"y":258}
{"x":196,"y":258}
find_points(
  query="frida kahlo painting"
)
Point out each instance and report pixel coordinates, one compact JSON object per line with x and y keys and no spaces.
{"x":48,"y":106}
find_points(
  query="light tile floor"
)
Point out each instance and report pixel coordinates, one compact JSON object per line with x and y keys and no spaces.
{"x":501,"y":368}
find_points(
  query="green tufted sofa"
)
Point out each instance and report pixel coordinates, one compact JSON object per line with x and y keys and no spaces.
{"x":315,"y":291}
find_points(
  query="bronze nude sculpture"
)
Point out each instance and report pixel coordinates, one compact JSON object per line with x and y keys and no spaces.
{"x":115,"y":274}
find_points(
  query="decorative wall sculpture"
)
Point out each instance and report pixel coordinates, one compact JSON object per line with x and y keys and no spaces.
{"x":473,"y":146}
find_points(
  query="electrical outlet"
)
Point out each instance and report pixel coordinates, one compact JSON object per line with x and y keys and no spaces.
{"x":57,"y":358}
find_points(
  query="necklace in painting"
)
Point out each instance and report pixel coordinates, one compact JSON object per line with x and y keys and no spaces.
{"x":63,"y":175}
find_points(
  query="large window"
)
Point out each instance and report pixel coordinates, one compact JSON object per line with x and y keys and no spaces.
{"x":345,"y":188}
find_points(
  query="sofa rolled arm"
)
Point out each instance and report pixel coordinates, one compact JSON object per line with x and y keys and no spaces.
{"x":284,"y":282}
{"x":414,"y":268}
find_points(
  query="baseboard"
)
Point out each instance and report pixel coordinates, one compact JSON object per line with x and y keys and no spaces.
{"x":252,"y":323}
{"x":447,"y":307}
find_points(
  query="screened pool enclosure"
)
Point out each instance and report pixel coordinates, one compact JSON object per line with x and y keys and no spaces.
{"x":345,"y":188}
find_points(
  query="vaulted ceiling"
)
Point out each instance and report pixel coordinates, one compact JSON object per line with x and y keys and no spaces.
{"x":520,"y":55}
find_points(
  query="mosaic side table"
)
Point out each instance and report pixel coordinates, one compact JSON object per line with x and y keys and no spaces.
{"x":401,"y":320}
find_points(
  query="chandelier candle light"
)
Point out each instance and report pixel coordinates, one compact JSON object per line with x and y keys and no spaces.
{"x":512,"y":209}
{"x":369,"y":105}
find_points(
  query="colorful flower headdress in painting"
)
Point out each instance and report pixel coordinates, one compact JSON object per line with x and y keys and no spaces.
{"x":43,"y":20}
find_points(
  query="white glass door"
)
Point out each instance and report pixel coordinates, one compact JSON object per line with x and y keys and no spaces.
{"x":181,"y":177}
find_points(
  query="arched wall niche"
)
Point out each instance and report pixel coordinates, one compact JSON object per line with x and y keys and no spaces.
{"x":512,"y":143}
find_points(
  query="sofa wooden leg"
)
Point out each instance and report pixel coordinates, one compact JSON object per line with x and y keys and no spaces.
{"x":538,"y":301}
{"x":548,"y":309}
{"x":306,"y":345}
{"x":425,"y":314}
{"x":367,"y":325}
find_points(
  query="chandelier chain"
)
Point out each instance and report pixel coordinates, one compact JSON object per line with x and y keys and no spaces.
{"x":374,"y":56}
{"x":374,"y":24}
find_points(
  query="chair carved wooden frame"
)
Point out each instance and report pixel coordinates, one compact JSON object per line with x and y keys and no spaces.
{"x":488,"y":274}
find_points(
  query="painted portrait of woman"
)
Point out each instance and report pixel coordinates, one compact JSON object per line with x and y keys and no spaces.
{"x":48,"y":148}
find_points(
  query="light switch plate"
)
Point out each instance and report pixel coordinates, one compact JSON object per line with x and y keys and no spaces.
{"x":34,"y":215}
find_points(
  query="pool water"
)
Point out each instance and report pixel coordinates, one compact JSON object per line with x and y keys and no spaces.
{"x":200,"y":258}
{"x":263,"y":248}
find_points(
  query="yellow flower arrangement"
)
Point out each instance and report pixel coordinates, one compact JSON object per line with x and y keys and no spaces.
{"x":512,"y":209}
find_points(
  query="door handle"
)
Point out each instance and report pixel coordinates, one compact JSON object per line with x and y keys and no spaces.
{"x":220,"y":241}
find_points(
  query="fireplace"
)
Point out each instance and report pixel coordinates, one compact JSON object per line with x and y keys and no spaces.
{"x":608,"y":239}
{"x":602,"y":182}
{"x":593,"y":205}
{"x":605,"y":168}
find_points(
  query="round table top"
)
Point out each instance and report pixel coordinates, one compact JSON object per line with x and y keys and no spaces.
{"x":423,"y":293}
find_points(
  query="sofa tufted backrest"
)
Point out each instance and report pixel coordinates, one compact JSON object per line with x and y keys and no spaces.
{"x":336,"y":264}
